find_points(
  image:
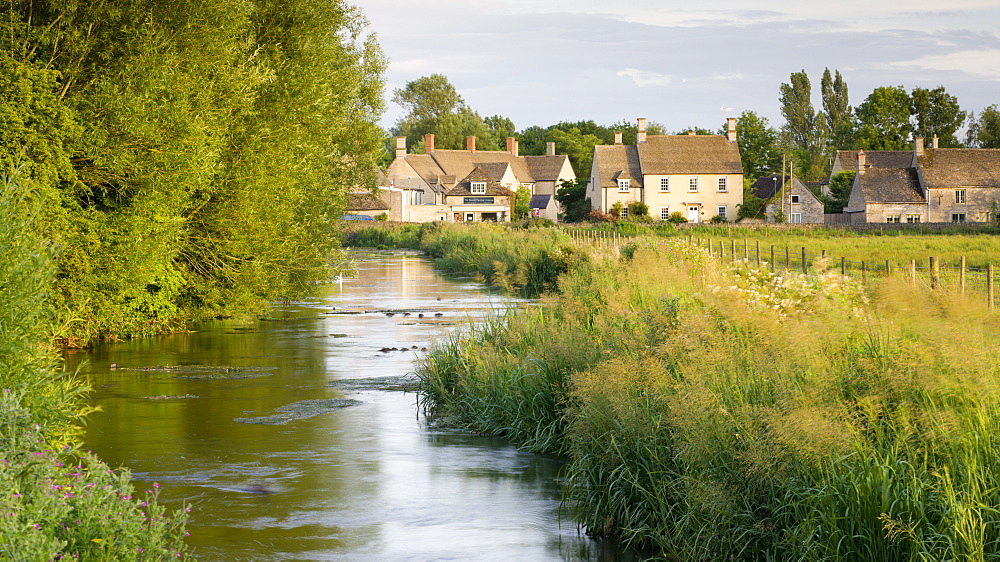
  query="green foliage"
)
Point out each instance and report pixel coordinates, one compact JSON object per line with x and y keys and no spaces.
{"x":884,"y":119}
{"x":839,"y":117}
{"x":840,"y":191}
{"x":718,"y":219}
{"x":572,"y":197}
{"x":759,"y":149}
{"x":522,"y":204}
{"x":677,"y":217}
{"x":434,"y":107}
{"x":193,"y":153}
{"x":638,"y":210}
{"x":937,"y":113}
{"x":753,"y":207}
{"x":984,"y":131}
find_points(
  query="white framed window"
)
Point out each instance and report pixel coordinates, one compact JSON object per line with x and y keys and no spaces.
{"x":722,"y":211}
{"x":479,"y":187}
{"x":624,"y":185}
{"x":693,"y":183}
{"x":796,"y":218}
{"x":795,"y":198}
{"x":958,"y":217}
{"x":960,"y":196}
{"x":722,"y":185}
{"x":664,"y":213}
{"x":624,"y":213}
{"x":664,"y":185}
{"x":912,"y":218}
{"x":892,"y":218}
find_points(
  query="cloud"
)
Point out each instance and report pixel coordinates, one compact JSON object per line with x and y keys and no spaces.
{"x":728,"y":76}
{"x":643,"y":78}
{"x":975,"y":62}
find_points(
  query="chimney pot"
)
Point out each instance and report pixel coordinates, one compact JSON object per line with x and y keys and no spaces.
{"x":429,"y":143}
{"x":512,"y":146}
{"x":550,"y":148}
{"x":470,"y":143}
{"x":934,"y":142}
{"x":692,"y":133}
{"x":731,"y":129}
{"x":861,"y":161}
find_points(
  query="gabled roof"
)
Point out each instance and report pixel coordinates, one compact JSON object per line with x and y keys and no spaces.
{"x":479,"y":173}
{"x":689,"y":154}
{"x":496,"y":170}
{"x":460,"y":163}
{"x":365,"y":202}
{"x":876,"y":159}
{"x":425,"y":166}
{"x":546,"y":168}
{"x":539,"y":202}
{"x":614,"y":160}
{"x":961,"y":167}
{"x":890,"y":185}
{"x":768,"y":186}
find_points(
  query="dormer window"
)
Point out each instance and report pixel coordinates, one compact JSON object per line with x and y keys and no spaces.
{"x":624,"y":185}
{"x":478,"y":187}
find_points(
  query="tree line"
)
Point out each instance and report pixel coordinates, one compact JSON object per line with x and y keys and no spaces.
{"x":190,"y":155}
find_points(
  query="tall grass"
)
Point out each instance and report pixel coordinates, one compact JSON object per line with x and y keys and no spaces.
{"x":56,"y":501}
{"x":713,"y":413}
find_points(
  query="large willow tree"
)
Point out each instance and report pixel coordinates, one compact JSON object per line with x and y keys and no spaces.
{"x":193,"y":154}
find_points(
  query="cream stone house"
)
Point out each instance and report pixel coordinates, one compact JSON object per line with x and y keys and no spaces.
{"x":450,"y":191}
{"x":699,"y":176}
{"x":938,"y":185}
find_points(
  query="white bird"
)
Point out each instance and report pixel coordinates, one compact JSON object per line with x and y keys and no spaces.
{"x":724,"y":108}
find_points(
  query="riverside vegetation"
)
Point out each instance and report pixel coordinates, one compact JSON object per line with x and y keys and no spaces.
{"x":711,"y":411}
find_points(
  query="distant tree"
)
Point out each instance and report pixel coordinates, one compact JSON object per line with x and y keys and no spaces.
{"x":805,"y":132}
{"x":937,"y":113}
{"x":572,"y":197}
{"x":752,"y":206}
{"x":840,"y":192}
{"x":758,"y":143}
{"x":984,"y":131}
{"x":697,"y":131}
{"x":500,"y":128}
{"x":522,"y":203}
{"x":839,"y":117}
{"x":435,"y":107}
{"x":579,"y":146}
{"x":884,"y":119}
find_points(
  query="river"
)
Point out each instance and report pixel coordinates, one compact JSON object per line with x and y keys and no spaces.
{"x":288,"y":438}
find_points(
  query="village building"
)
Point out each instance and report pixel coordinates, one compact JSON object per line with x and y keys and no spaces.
{"x":473,"y":185}
{"x":699,"y":176}
{"x":936,"y":185}
{"x":788,"y":200}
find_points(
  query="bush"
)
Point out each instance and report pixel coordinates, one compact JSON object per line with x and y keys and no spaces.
{"x":677,"y":218}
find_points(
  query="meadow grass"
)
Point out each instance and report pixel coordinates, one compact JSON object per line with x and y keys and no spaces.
{"x":713,"y":412}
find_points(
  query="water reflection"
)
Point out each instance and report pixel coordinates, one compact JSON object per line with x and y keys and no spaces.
{"x":370,"y":481}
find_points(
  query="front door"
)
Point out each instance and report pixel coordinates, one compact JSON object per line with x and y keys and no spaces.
{"x":693,"y":213}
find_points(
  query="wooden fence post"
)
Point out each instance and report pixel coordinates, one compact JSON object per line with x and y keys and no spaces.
{"x":805,"y":264}
{"x":758,"y":253}
{"x":788,"y":259}
{"x":989,"y":285}
{"x":864,"y":271}
{"x":935,"y":272}
{"x":913,"y":273}
{"x":888,"y":268}
{"x":843,"y":266}
{"x":772,"y":258}
{"x":961,"y":276}
{"x":732,"y":250}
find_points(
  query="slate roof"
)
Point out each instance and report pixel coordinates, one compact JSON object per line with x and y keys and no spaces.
{"x":768,"y":186}
{"x":689,"y":154}
{"x":961,"y":167}
{"x":617,"y":160}
{"x":365,"y":202}
{"x":876,"y":159}
{"x":546,"y":168}
{"x":539,"y":201}
{"x":891,"y":185}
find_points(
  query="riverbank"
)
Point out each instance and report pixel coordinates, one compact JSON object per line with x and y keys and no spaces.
{"x":712,"y":411}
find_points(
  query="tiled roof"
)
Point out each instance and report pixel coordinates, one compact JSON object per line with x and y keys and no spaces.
{"x":689,"y":154}
{"x":496,"y":170}
{"x":961,"y":167}
{"x":365,"y":202}
{"x":461,"y":162}
{"x":891,"y":185}
{"x":539,"y":201}
{"x":614,"y":160}
{"x":876,"y":159}
{"x":545,"y":168}
{"x":479,"y":173}
{"x":768,"y":186}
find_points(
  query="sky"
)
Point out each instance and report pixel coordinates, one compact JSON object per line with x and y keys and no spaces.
{"x":681,"y":64}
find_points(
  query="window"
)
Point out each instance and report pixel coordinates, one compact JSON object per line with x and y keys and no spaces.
{"x":960,"y":196}
{"x":624,"y":214}
{"x":912,"y":218}
{"x":797,"y":218}
{"x":892,"y":218}
{"x":664,"y":184}
{"x":722,"y":211}
{"x":693,"y":184}
{"x":958,"y":217}
{"x":722,"y":185}
{"x":795,"y":198}
{"x":664,"y":213}
{"x":479,"y":187}
{"x":624,"y":185}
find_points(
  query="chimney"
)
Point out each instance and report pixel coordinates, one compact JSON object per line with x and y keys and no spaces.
{"x":400,"y":147}
{"x":918,"y":146}
{"x":731,"y":129}
{"x":640,"y":133}
{"x":934,"y":142}
{"x":429,"y":143}
{"x":618,"y":137}
{"x":550,"y":148}
{"x":470,"y":143}
{"x":512,"y":146}
{"x":861,"y":161}
{"x":692,"y":133}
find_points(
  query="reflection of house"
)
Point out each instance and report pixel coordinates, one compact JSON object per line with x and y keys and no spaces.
{"x":699,"y":176}
{"x":791,"y":200}
{"x":449,"y":180}
{"x":936,"y":185}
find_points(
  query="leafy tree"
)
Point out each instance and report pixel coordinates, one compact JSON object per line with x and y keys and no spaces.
{"x":984,"y":131}
{"x":884,"y":119}
{"x":840,"y":191}
{"x":753,"y":207}
{"x":579,"y":146}
{"x":500,"y":128}
{"x":572,"y":197}
{"x":937,"y":113}
{"x":839,"y":117}
{"x":697,"y":131}
{"x":758,"y":146}
{"x":435,"y":107}
{"x":806,"y":135}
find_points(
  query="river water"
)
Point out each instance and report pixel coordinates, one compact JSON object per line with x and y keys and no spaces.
{"x":282,"y":453}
